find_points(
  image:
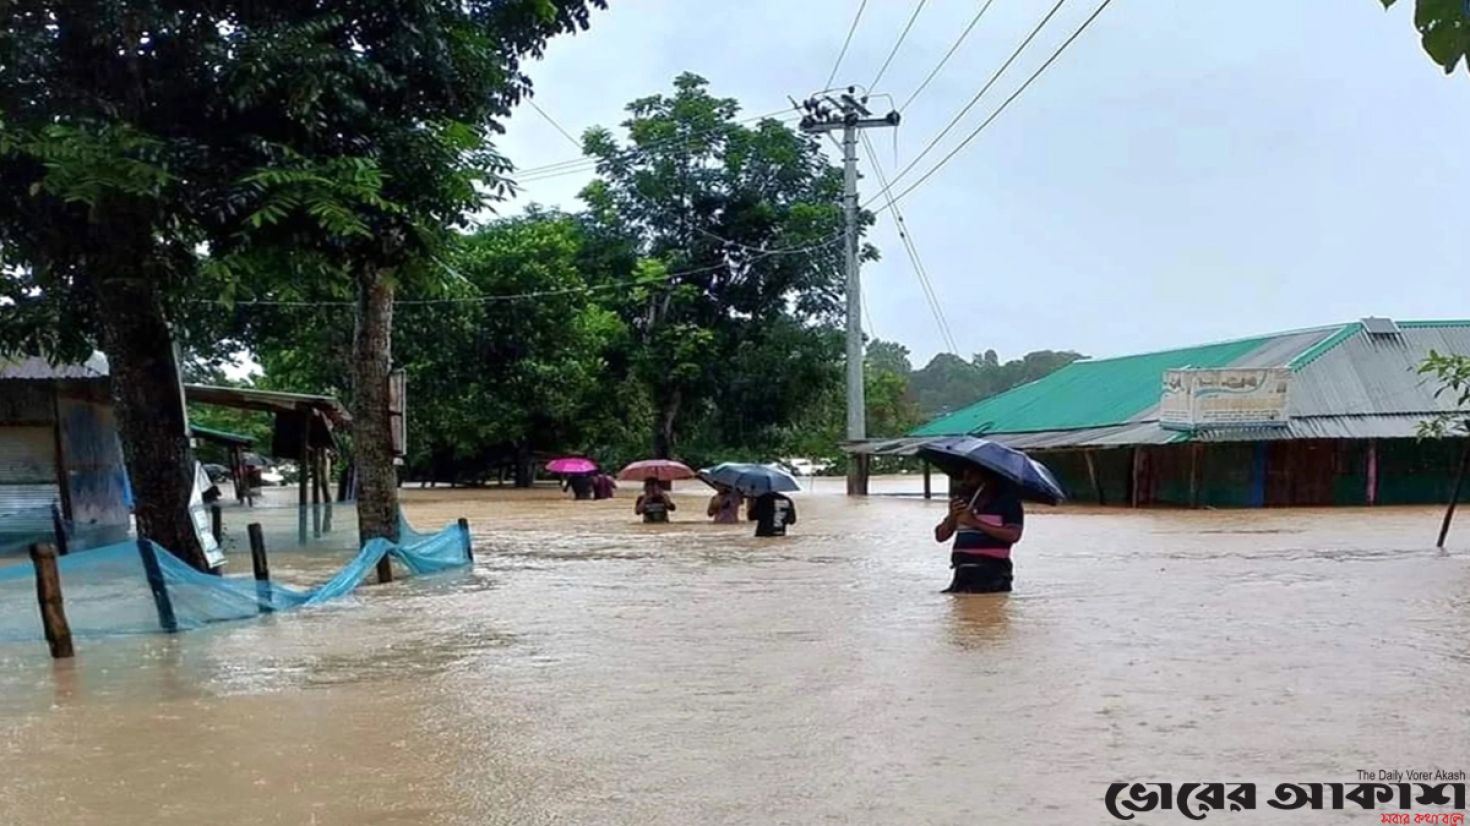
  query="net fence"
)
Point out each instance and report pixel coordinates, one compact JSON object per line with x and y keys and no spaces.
{"x":139,"y":587}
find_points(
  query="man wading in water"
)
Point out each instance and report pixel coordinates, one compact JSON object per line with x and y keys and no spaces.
{"x":985,"y":521}
{"x":654,"y":504}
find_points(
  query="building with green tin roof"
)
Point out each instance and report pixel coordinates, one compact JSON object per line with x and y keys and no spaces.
{"x":1324,"y":416}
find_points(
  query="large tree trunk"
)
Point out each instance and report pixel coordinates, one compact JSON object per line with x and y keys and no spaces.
{"x":372,"y":436}
{"x":151,"y":418}
{"x":663,"y":426}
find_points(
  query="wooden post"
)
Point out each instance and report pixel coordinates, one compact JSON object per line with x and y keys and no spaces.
{"x":58,"y":527}
{"x":315,"y":483}
{"x":1134,"y":494}
{"x":1194,"y":470}
{"x":385,"y":570}
{"x":158,"y":586}
{"x":48,"y":594}
{"x":928,"y":491}
{"x":63,"y":479}
{"x":303,"y":472}
{"x":1449,"y":513}
{"x":324,"y":481}
{"x":1371,"y":494}
{"x":464,"y":531}
{"x":1092,"y":475}
{"x":217,"y":524}
{"x":262,"y":567}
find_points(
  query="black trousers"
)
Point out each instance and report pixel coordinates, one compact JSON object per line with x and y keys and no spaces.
{"x":976,"y":574}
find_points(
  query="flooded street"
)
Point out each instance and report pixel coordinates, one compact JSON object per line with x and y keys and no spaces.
{"x":592,"y":670}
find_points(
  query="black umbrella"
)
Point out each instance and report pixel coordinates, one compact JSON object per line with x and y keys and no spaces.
{"x":954,"y":454}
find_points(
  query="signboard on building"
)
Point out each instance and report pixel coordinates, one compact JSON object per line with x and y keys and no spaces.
{"x":1193,"y":399}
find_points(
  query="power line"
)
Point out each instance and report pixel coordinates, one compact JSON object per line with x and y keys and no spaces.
{"x":490,"y":299}
{"x":552,"y":121}
{"x":588,"y":163}
{"x":911,"y":248}
{"x":947,"y":55}
{"x":1007,"y":102}
{"x":848,"y":42}
{"x":901,"y":36}
{"x":978,"y":95}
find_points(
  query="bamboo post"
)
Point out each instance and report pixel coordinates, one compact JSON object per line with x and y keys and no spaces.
{"x":464,"y":531}
{"x":58,"y":527}
{"x":303,"y":472}
{"x":1194,"y":471}
{"x":314,"y":481}
{"x":262,"y":567}
{"x":217,"y":524}
{"x":1092,"y":474}
{"x":48,"y":594}
{"x":324,"y":482}
{"x":158,"y":586}
{"x":928,"y":490}
{"x":1135,"y":494}
{"x":1449,"y":513}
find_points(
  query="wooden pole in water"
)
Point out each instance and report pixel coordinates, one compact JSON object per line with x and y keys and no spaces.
{"x":324,"y":481}
{"x":315,"y":483}
{"x":158,"y":586}
{"x":262,"y":567}
{"x":58,"y":527}
{"x":464,"y":531}
{"x":1194,"y":470}
{"x":1092,"y":474}
{"x":303,"y":472}
{"x":48,"y":594}
{"x":928,"y":491}
{"x":1449,"y":513}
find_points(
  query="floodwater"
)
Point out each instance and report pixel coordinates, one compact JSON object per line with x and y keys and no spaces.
{"x":592,"y":670}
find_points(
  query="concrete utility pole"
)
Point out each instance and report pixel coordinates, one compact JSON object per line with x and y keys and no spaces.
{"x":848,"y":114}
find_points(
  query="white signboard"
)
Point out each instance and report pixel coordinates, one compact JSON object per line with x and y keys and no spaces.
{"x":1227,"y":397}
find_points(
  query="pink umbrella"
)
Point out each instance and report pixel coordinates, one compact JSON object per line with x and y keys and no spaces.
{"x":571,"y":465}
{"x":664,"y":470}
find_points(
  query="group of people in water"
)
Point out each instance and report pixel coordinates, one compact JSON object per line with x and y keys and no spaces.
{"x":771,"y":512}
{"x":985,"y":519}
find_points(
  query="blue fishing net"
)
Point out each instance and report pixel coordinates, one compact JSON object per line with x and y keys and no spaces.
{"x":141,"y":588}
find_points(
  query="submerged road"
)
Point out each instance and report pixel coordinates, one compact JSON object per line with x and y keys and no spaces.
{"x":592,"y":670}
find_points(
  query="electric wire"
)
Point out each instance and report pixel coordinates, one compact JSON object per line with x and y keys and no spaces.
{"x":947,"y":55}
{"x":1007,"y":102}
{"x":933,"y":142}
{"x":901,"y":37}
{"x":845,"y":43}
{"x":911,"y":248}
{"x":552,"y":121}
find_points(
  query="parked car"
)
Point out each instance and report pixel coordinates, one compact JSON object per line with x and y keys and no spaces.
{"x":271,"y":476}
{"x":803,"y":467}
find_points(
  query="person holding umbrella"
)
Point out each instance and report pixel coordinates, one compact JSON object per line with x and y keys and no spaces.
{"x":724,"y":506}
{"x":770,"y":510}
{"x":986,"y":519}
{"x":655,"y":504}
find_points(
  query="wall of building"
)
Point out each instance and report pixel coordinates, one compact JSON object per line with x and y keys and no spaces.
{"x":1299,"y":473}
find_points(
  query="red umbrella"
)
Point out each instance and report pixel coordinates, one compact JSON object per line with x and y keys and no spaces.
{"x":571,"y":465}
{"x":664,"y":470}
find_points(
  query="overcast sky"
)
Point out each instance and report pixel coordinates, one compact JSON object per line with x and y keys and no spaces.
{"x":1185,"y":172}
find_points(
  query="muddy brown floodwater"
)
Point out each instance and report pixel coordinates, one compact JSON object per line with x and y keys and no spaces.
{"x":591,"y":670}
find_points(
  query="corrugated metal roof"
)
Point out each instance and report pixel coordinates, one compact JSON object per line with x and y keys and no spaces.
{"x":1345,"y":384}
{"x":1373,"y":375}
{"x":38,"y":368}
{"x":1102,"y":392}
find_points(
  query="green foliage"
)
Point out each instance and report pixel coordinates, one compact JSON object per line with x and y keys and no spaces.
{"x":1453,"y":374}
{"x":1444,"y":30}
{"x":948,"y":382}
{"x":727,"y":346}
